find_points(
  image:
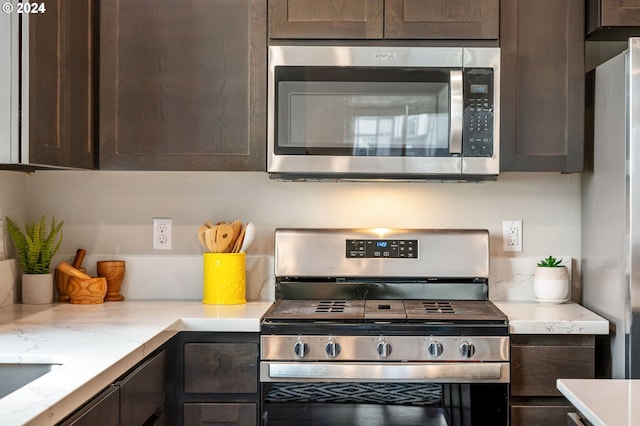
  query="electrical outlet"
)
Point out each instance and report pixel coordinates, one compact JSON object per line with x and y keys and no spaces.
{"x":512,"y":235}
{"x":162,"y":233}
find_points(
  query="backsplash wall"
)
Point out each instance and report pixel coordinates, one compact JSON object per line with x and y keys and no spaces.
{"x":110,"y":213}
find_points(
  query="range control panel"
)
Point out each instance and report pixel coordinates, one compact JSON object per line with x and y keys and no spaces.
{"x":392,"y":249}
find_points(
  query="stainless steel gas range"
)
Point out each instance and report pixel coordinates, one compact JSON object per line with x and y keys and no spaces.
{"x":383,"y":327}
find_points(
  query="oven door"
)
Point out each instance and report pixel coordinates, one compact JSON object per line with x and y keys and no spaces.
{"x":383,"y":394}
{"x":379,"y":112}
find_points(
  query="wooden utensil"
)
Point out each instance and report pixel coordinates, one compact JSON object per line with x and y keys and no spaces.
{"x":77,"y":261}
{"x":210,"y":239}
{"x":224,"y":234}
{"x":72,"y":272}
{"x":201,"y":236}
{"x":238,"y":244}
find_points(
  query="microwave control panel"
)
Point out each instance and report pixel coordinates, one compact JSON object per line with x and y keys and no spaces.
{"x":477,"y":133}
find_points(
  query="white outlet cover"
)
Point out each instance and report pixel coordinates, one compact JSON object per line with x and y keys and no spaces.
{"x":511,"y":241}
{"x":162,"y":233}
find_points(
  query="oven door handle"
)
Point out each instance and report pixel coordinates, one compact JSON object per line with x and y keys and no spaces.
{"x":457,"y":112}
{"x":494,"y":372}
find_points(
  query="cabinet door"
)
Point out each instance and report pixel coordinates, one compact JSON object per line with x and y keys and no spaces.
{"x":326,"y":19}
{"x":183,"y":84}
{"x":612,"y":19}
{"x":60,"y":84}
{"x":542,"y":85}
{"x":227,"y":414}
{"x":103,"y":410}
{"x":538,"y":361}
{"x":442,"y":19}
{"x":222,"y":368}
{"x":142,"y":392}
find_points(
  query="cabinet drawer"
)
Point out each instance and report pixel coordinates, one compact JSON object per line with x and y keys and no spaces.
{"x":220,"y":414}
{"x":221,"y":368}
{"x":540,"y":413}
{"x":535,"y":365}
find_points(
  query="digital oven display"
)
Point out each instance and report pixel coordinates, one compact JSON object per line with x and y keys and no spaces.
{"x":391,"y":249}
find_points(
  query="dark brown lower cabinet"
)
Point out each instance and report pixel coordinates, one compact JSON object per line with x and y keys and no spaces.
{"x":537,"y":361}
{"x":227,"y":414}
{"x":137,"y":398}
{"x":100,"y":411}
{"x":213,"y":379}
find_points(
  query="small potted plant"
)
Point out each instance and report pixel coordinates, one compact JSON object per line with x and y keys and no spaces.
{"x":551,"y":281}
{"x":34,"y":250}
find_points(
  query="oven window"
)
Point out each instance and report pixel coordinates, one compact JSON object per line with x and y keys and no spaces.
{"x":362,"y":112}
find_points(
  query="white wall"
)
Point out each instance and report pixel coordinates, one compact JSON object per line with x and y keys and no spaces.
{"x":111,"y":212}
{"x":12,"y":204}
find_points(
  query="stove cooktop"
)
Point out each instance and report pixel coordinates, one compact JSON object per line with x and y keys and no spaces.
{"x":482,"y":311}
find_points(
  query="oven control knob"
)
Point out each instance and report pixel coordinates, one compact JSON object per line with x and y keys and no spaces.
{"x":301,"y":349}
{"x":435,"y":349}
{"x":332,"y":349}
{"x":467,"y":350}
{"x":384,"y":349}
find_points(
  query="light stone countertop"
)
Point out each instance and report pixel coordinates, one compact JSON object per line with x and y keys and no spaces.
{"x":531,"y":317}
{"x":96,"y":344}
{"x":604,"y":402}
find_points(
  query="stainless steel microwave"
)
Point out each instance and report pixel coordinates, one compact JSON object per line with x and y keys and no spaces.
{"x":356,"y":112}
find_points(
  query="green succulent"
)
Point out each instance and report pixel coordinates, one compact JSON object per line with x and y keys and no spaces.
{"x":550,"y":262}
{"x":36,"y":246}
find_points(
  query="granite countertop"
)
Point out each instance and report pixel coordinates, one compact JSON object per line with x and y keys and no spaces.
{"x":604,"y":402}
{"x":96,"y":344}
{"x":531,"y":317}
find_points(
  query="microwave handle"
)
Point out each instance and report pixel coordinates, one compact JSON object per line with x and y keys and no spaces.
{"x":457,"y":107}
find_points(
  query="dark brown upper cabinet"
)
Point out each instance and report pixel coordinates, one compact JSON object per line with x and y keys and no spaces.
{"x":542,"y":85}
{"x":612,"y":19}
{"x":183,"y":84}
{"x":383,"y":19}
{"x":59,"y":96}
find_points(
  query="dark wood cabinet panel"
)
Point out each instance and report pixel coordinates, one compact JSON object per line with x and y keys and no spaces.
{"x":541,"y":412}
{"x":542,"y":85}
{"x":183,"y":85}
{"x":612,"y":19}
{"x":221,"y":368}
{"x":213,"y":379}
{"x":220,"y":414}
{"x":143,"y":391}
{"x":327,"y":19}
{"x":101,"y":411}
{"x":441,"y":19}
{"x":384,"y":19}
{"x":60,"y":118}
{"x":537,"y":361}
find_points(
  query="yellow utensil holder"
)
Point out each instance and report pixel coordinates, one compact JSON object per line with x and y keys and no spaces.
{"x":225,"y":279}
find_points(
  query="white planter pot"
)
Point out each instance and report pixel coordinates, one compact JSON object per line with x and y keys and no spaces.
{"x":551,"y":284}
{"x":37,"y":289}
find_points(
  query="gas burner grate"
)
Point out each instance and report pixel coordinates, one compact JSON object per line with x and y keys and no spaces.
{"x":432,"y":307}
{"x":331,"y":306}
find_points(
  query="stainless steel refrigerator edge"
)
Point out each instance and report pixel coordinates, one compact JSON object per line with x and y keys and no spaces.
{"x":610,"y":206}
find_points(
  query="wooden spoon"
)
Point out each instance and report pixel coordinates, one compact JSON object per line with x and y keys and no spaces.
{"x":201,"y":236}
{"x":224,"y":236}
{"x":239,"y":240}
{"x":210,"y":238}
